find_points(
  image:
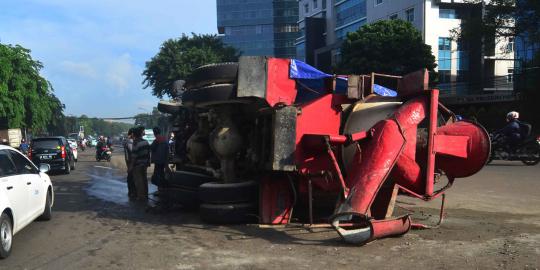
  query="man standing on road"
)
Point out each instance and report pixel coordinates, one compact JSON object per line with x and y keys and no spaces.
{"x":140,"y":160}
{"x":128,"y":149}
{"x":160,"y":157}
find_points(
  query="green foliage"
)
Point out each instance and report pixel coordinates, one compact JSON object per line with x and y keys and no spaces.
{"x":155,"y":119}
{"x":26,"y":99}
{"x":391,"y":47}
{"x":178,"y":57}
{"x":95,"y":126}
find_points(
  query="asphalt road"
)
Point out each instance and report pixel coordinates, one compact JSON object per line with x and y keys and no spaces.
{"x":493,"y":222}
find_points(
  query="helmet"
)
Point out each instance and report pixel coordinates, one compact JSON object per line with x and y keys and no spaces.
{"x":512,"y":115}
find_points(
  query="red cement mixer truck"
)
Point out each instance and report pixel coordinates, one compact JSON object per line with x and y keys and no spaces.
{"x":267,"y":140}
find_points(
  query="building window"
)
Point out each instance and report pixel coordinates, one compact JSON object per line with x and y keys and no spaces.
{"x":445,"y":54}
{"x":447,"y":13}
{"x":287,"y":28}
{"x":444,"y":76}
{"x":510,"y":45}
{"x":315,"y":4}
{"x":510,"y":76}
{"x":378,"y":2}
{"x":350,"y":12}
{"x":409,"y":14}
{"x":393,"y":17}
{"x":306,"y":8}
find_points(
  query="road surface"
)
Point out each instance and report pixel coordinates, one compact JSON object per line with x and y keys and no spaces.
{"x":493,"y":222}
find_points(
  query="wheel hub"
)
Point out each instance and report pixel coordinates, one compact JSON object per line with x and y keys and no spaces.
{"x":5,"y":234}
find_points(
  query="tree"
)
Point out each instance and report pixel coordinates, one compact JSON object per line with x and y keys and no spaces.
{"x":502,"y":18}
{"x":155,"y":119}
{"x":519,"y":19}
{"x":391,"y":47}
{"x":26,"y":99}
{"x":178,"y":57}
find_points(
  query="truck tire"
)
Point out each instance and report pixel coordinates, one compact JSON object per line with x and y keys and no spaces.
{"x":209,"y":95}
{"x":185,"y":197}
{"x":213,"y":74}
{"x":188,"y":180}
{"x":239,"y":213}
{"x":169,"y":107}
{"x":219,"y":193}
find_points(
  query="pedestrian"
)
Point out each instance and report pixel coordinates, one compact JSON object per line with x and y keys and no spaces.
{"x":24,"y":147}
{"x":128,"y":149}
{"x":160,"y":157}
{"x":140,"y":160}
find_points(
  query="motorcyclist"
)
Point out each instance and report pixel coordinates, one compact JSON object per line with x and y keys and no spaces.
{"x":512,"y":130}
{"x":99,"y":146}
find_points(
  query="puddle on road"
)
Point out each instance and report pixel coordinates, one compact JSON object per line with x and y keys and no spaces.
{"x":110,"y":185}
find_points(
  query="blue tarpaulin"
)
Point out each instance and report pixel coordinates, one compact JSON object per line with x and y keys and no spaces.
{"x":383,"y":91}
{"x":301,"y":70}
{"x":311,"y":82}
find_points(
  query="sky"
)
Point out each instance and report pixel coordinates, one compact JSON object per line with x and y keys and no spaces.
{"x":94,"y":51}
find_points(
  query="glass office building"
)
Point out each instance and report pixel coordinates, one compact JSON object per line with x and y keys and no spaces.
{"x":350,"y":15}
{"x":259,"y":27}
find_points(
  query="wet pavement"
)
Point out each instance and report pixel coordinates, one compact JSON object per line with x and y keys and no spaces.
{"x":109,"y":184}
{"x":493,"y":222}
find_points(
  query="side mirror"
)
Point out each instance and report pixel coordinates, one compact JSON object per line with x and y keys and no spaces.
{"x":44,"y":167}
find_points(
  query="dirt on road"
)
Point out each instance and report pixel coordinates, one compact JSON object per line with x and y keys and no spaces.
{"x":493,"y":222}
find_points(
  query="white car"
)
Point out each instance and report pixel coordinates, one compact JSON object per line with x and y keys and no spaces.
{"x":73,"y":145}
{"x":26,"y":193}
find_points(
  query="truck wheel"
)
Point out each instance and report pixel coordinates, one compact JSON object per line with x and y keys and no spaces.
{"x":229,"y":213}
{"x":213,"y":74}
{"x":188,"y":180}
{"x":6,"y":235}
{"x":209,"y":95}
{"x":169,"y":107}
{"x":218,"y":193}
{"x":185,"y":197}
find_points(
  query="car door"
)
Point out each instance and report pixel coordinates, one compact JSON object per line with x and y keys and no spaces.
{"x":16,"y":190}
{"x":29,"y":174}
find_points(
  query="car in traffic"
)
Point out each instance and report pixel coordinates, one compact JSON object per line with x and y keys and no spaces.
{"x":74,"y":148}
{"x":26,"y":193}
{"x":54,"y":151}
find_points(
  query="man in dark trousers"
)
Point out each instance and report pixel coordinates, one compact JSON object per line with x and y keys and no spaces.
{"x":128,"y":149}
{"x":160,"y":156}
{"x":140,"y":160}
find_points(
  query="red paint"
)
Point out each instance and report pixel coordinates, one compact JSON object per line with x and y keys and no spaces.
{"x":477,"y":148}
{"x":390,"y":227}
{"x":280,"y":89}
{"x":430,"y":170}
{"x":318,"y":117}
{"x":276,"y":200}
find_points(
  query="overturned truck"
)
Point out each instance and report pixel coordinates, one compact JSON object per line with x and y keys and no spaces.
{"x":265,"y":136}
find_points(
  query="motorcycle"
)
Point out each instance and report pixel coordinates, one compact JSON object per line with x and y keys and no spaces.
{"x":105,"y":154}
{"x":527,"y":151}
{"x":82,"y":146}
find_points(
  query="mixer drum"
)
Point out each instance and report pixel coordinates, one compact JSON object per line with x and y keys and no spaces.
{"x":362,"y":116}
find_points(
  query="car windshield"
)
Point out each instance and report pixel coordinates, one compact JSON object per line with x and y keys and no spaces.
{"x":45,"y":144}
